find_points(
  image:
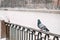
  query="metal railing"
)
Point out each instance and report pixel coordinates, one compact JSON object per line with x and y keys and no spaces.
{"x":18,"y":32}
{"x":49,"y":4}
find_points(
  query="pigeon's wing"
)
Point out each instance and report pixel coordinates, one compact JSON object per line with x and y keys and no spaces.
{"x":47,"y":29}
{"x":42,"y":26}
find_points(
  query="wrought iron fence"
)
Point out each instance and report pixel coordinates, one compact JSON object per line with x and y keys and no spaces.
{"x":18,"y":32}
{"x":12,"y":31}
{"x":49,"y":4}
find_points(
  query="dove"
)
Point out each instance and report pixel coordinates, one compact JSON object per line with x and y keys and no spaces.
{"x":41,"y":26}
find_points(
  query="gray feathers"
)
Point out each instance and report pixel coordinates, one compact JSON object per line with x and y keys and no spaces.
{"x":41,"y":26}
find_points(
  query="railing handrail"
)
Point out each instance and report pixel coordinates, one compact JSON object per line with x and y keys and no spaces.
{"x":52,"y":34}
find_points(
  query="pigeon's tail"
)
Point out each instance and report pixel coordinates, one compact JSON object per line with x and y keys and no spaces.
{"x":47,"y":29}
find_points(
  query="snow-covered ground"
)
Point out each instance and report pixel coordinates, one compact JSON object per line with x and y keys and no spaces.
{"x":29,"y":19}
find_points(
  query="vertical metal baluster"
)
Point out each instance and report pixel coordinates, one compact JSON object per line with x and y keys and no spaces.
{"x":25,"y":34}
{"x":28,"y":34}
{"x":33,"y":35}
{"x":55,"y":38}
{"x":10,"y":33}
{"x":19,"y":34}
{"x":47,"y":35}
{"x":7,"y":32}
{"x":36,"y":36}
{"x":14,"y":34}
{"x":40,"y":35}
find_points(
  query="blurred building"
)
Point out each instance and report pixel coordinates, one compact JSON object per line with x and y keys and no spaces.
{"x":50,"y":4}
